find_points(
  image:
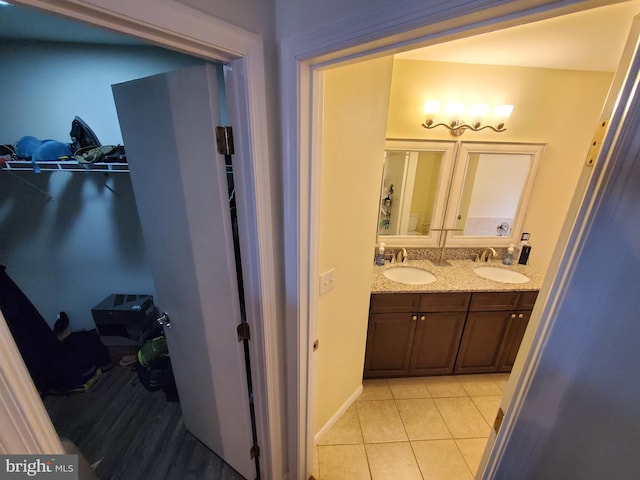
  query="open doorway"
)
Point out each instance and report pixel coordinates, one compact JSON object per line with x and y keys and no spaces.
{"x":184,"y":29}
{"x":325,"y":307}
{"x":83,"y":234}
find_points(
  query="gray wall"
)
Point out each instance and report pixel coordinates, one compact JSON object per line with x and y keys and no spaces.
{"x":71,"y":251}
{"x":52,"y":82}
{"x":298,"y":17}
{"x":257,"y":16}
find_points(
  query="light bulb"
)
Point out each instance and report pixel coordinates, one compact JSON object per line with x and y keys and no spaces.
{"x":431,"y":107}
{"x":454,"y":109}
{"x":502,"y":112}
{"x":479,"y":111}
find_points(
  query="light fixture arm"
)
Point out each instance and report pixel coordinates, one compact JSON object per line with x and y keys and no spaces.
{"x":456,"y":128}
{"x":456,"y":111}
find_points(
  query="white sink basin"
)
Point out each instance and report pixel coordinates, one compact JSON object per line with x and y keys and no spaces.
{"x":409,"y":275}
{"x":501,"y":275}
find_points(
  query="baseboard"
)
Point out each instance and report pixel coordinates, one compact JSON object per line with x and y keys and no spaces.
{"x":336,"y":416}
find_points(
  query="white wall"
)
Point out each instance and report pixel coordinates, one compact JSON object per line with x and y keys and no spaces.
{"x":352,"y":162}
{"x":51,"y":83}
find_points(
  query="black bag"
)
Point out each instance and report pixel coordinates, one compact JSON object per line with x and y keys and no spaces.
{"x":154,"y":367}
{"x":158,"y":375}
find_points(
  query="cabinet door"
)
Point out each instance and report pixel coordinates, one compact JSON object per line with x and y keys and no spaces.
{"x":481,"y":342}
{"x":444,"y":302}
{"x":394,"y":302}
{"x":513,"y":338}
{"x":435,"y":343}
{"x":389,"y":340}
{"x":493,"y":301}
{"x":527,"y":300}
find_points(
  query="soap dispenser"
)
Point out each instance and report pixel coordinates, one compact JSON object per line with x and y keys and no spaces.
{"x":380,"y":255}
{"x":508,"y":258}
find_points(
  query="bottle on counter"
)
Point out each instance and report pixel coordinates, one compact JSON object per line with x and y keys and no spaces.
{"x":525,"y":249}
{"x":379,"y":258}
{"x":508,"y":258}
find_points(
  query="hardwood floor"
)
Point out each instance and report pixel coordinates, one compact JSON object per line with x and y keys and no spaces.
{"x":133,"y":433}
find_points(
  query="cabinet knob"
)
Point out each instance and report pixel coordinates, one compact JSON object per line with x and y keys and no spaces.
{"x":513,"y":315}
{"x":414,"y":317}
{"x":520,"y":315}
{"x":423,"y":318}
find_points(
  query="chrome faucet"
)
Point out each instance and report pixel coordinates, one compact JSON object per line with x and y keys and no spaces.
{"x":488,"y":254}
{"x":401,"y":255}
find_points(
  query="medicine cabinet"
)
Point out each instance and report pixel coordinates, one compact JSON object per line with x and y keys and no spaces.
{"x":480,"y":190}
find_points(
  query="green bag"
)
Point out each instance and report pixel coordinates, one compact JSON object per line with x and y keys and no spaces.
{"x":153,"y":349}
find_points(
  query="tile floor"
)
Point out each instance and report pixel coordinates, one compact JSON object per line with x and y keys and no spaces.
{"x":431,"y":428}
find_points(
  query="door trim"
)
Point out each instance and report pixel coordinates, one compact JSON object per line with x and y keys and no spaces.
{"x":181,"y":28}
{"x":26,"y":426}
{"x":380,"y":31}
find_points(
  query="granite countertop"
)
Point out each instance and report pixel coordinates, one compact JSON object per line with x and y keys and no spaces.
{"x":459,"y":277}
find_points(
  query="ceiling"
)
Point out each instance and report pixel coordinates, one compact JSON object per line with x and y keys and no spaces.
{"x":589,"y":40}
{"x":19,"y":23}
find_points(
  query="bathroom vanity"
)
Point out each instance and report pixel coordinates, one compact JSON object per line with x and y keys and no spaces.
{"x":467,"y":317}
{"x":461,"y":323}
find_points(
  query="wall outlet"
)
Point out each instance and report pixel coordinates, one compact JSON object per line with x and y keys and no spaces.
{"x":327,"y":281}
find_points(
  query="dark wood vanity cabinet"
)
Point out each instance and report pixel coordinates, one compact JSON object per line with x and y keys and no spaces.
{"x":480,"y":346}
{"x":435,"y":343}
{"x":495,"y":325}
{"x":413,"y":334}
{"x":512,"y":339}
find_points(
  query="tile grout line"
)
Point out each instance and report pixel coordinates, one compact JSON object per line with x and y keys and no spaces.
{"x":449,"y":429}
{"x":466,"y":462}
{"x":364,"y":445}
{"x":407,"y":434}
{"x":478,"y":409}
{"x":440,"y":411}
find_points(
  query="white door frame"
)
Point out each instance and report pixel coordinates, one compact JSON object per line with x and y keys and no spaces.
{"x":26,"y":427}
{"x":380,"y":31}
{"x":175,"y":26}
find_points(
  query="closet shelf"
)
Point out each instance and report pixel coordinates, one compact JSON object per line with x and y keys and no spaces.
{"x":67,"y":166}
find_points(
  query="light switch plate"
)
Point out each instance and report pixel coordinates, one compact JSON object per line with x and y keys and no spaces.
{"x":327,"y":281}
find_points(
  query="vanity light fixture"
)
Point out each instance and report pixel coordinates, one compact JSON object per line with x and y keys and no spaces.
{"x":456,"y":111}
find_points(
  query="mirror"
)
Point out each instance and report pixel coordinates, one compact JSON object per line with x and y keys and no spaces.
{"x":480,"y":189}
{"x":414,"y":180}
